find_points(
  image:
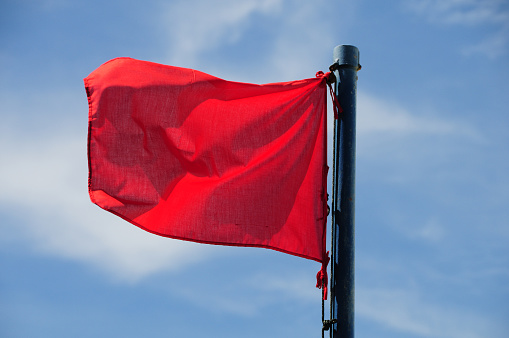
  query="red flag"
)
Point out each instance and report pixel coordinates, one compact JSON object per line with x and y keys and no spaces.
{"x":186,"y":155}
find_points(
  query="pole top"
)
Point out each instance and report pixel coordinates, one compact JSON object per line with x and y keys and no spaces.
{"x":346,"y":56}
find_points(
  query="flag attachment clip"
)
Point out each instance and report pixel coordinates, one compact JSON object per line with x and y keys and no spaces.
{"x":327,"y":324}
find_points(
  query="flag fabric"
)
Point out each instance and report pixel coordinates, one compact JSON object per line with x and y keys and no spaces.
{"x":186,"y":155}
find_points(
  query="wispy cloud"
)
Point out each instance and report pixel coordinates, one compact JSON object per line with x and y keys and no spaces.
{"x":493,"y":47}
{"x":207,"y":25}
{"x":470,"y":13}
{"x":294,"y":286}
{"x":44,"y":187}
{"x":430,"y":231}
{"x":286,"y":53}
{"x":461,"y":12}
{"x":407,"y":311}
{"x":404,"y":144}
{"x":376,"y":115}
{"x":259,"y":292}
{"x":292,"y":57}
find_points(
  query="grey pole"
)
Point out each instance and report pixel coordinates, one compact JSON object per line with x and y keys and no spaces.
{"x":346,"y":65}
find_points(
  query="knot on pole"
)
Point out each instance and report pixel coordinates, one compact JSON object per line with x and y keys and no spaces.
{"x":322,"y":278}
{"x":330,"y":78}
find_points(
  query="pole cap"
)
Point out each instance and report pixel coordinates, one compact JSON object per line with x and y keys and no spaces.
{"x":346,"y":56}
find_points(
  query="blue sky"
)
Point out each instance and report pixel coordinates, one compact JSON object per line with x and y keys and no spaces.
{"x":432,"y":214}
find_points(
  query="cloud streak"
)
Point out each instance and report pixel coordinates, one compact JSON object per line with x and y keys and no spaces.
{"x":44,"y":187}
{"x":461,"y":12}
{"x":379,"y":116}
{"x":208,"y":25}
{"x":288,"y":28}
{"x":470,"y":13}
{"x":407,"y":311}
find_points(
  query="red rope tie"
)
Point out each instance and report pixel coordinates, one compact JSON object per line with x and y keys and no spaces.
{"x":322,"y":279}
{"x":335,"y":102}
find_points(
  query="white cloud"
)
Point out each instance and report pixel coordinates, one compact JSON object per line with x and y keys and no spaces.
{"x":232,"y":302}
{"x":294,"y":27}
{"x":431,"y":231}
{"x":44,"y":185}
{"x":304,"y":26}
{"x":292,"y":286}
{"x":462,"y":12}
{"x":470,"y":13}
{"x":375,"y":115}
{"x":248,"y":295}
{"x":390,"y":133}
{"x":407,"y":311}
{"x":194,"y":27}
{"x":493,"y":46}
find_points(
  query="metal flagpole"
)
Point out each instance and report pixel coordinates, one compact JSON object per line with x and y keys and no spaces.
{"x":346,"y":64}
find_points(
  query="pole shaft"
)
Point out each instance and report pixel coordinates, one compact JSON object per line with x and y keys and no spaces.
{"x":343,"y":286}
